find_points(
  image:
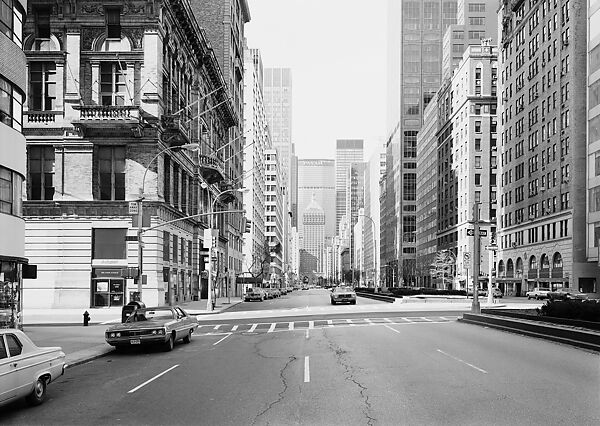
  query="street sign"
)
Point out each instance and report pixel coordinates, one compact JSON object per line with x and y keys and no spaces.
{"x":493,"y":248}
{"x":133,"y":207}
{"x":466,"y":257}
{"x":471,"y":232}
{"x":483,"y":233}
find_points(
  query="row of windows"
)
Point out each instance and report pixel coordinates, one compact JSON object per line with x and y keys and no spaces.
{"x":177,"y":249}
{"x":536,"y":234}
{"x":545,"y":207}
{"x":11,"y":20}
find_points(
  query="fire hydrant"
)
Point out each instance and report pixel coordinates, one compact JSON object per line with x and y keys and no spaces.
{"x":86,"y":318}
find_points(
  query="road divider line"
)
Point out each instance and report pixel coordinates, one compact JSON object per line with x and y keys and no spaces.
{"x":460,"y":360}
{"x":393,"y":329}
{"x":153,"y":379}
{"x":387,"y":320}
{"x":228,"y":334}
{"x":234,"y":328}
{"x":272,"y":327}
{"x":253,"y":328}
{"x":311,"y":325}
{"x":306,"y":369}
{"x":307,"y":334}
{"x":290,"y":326}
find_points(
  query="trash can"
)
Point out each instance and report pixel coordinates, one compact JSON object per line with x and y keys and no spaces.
{"x":129,"y":309}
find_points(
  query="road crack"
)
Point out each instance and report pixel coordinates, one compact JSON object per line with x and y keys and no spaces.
{"x":349,"y":374}
{"x":285,"y":386}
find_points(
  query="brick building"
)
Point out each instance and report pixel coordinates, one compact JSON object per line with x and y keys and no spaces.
{"x":113,"y":90}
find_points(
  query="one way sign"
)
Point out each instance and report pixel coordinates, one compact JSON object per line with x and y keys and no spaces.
{"x":471,"y":232}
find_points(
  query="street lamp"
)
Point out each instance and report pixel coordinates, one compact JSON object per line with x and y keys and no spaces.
{"x":189,"y":147}
{"x":213,"y":234}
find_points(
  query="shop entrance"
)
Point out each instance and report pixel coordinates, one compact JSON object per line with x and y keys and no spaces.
{"x":108,"y":287}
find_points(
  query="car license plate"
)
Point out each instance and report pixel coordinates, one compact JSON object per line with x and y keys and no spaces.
{"x":135,"y":341}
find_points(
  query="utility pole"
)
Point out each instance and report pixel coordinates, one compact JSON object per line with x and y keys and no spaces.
{"x":476,"y":307}
{"x":140,"y":245}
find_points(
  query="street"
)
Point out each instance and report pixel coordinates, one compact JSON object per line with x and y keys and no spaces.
{"x":330,"y":369}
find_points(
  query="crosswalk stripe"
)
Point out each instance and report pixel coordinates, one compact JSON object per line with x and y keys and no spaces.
{"x":330,"y":323}
{"x":368,"y":320}
{"x":234,"y":328}
{"x":387,"y":320}
{"x":217,"y":326}
{"x":426,"y":319}
{"x":349,"y":321}
{"x":253,"y":328}
{"x":311,"y":324}
{"x":272,"y":327}
{"x":290,"y":326}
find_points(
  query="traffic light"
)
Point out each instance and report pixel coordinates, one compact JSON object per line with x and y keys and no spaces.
{"x":246,"y":225}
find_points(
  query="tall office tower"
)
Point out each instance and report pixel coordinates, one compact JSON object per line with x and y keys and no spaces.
{"x":257,"y":142}
{"x":316,"y":178}
{"x":313,"y":224}
{"x":274,"y":214}
{"x":106,"y":118}
{"x":415,"y":33}
{"x":371,"y":226}
{"x":427,"y":194}
{"x":277,"y":93}
{"x":593,"y":141}
{"x":468,"y":159}
{"x":474,"y":21}
{"x":223,"y":21}
{"x":543,"y":215}
{"x":355,"y":200}
{"x":294,"y":187}
{"x":347,"y":151}
{"x":13,"y":86}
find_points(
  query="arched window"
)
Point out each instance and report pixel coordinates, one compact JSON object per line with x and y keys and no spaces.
{"x":510,"y":270}
{"x":545,"y":263}
{"x":533,"y":262}
{"x":501,"y":268}
{"x":519,"y":268}
{"x":557,"y":261}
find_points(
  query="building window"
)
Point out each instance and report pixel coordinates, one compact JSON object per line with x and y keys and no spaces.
{"x":477,"y":179}
{"x":166,"y":246}
{"x":175,"y":249}
{"x":42,"y":86}
{"x":41,"y":172}
{"x":111,"y":167}
{"x":109,"y":243}
{"x":42,"y":22}
{"x":11,"y":21}
{"x":11,"y":105}
{"x":10,"y":192}
{"x":478,"y":162}
{"x":113,"y":22}
{"x":478,"y":127}
{"x":113,"y":86}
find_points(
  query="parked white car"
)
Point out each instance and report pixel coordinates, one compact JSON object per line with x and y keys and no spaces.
{"x":25,"y":369}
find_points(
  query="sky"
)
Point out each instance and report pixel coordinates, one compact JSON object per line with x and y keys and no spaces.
{"x":337,"y":52}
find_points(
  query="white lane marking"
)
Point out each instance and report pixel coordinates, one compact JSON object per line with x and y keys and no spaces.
{"x":349,"y":321}
{"x":426,"y":319}
{"x":306,"y":370}
{"x":234,"y":328}
{"x":311,"y":325}
{"x":228,"y":334}
{"x":393,"y":329}
{"x":252,"y":328}
{"x":217,"y":326}
{"x":387,"y":320}
{"x":272,"y":327}
{"x":152,"y":379}
{"x":460,"y":360}
{"x":291,"y":326}
{"x":307,"y":335}
{"x":444,"y":318}
{"x":330,"y":323}
{"x":368,"y":321}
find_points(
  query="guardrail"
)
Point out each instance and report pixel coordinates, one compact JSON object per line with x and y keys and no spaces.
{"x":389,"y":299}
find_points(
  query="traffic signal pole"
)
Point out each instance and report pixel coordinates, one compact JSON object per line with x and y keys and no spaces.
{"x":476,"y":307}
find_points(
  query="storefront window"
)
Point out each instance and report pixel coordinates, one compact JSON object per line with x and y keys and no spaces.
{"x":10,"y":294}
{"x":108,"y":287}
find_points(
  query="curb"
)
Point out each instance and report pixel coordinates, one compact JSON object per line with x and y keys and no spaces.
{"x":93,"y":354}
{"x":389,"y":299}
{"x":587,"y":339}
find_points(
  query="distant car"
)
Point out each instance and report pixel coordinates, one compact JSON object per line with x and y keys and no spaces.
{"x":343,"y":295}
{"x":153,"y":326}
{"x":496,"y":292}
{"x":255,"y":293}
{"x":567,"y":294}
{"x":538,"y":293}
{"x":304,"y":287}
{"x":272,"y":292}
{"x":26,"y":369}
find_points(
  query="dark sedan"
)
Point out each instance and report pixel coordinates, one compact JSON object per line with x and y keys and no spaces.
{"x":153,"y":326}
{"x":567,"y":294}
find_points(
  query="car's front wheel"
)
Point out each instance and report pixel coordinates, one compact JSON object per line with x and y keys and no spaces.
{"x":38,"y":395}
{"x":169,"y":344}
{"x":188,"y":338}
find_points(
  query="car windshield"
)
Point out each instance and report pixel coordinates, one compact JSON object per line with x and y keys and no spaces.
{"x":343,"y":289}
{"x":150,"y":314}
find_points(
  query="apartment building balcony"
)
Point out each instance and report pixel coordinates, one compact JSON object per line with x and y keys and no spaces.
{"x":120,"y":118}
{"x":211,"y":168}
{"x":176,"y":129}
{"x":42,"y":119}
{"x":228,"y":191}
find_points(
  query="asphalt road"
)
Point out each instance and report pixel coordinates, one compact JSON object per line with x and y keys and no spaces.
{"x":401,"y":370}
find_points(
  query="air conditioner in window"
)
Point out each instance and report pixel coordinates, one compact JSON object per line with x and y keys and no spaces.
{"x":514,"y":245}
{"x":565,"y":42}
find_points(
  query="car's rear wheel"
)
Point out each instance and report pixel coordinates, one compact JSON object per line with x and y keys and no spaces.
{"x":188,"y":338}
{"x":353,"y":302}
{"x":38,"y":395}
{"x":169,"y":344}
{"x":333,"y":302}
